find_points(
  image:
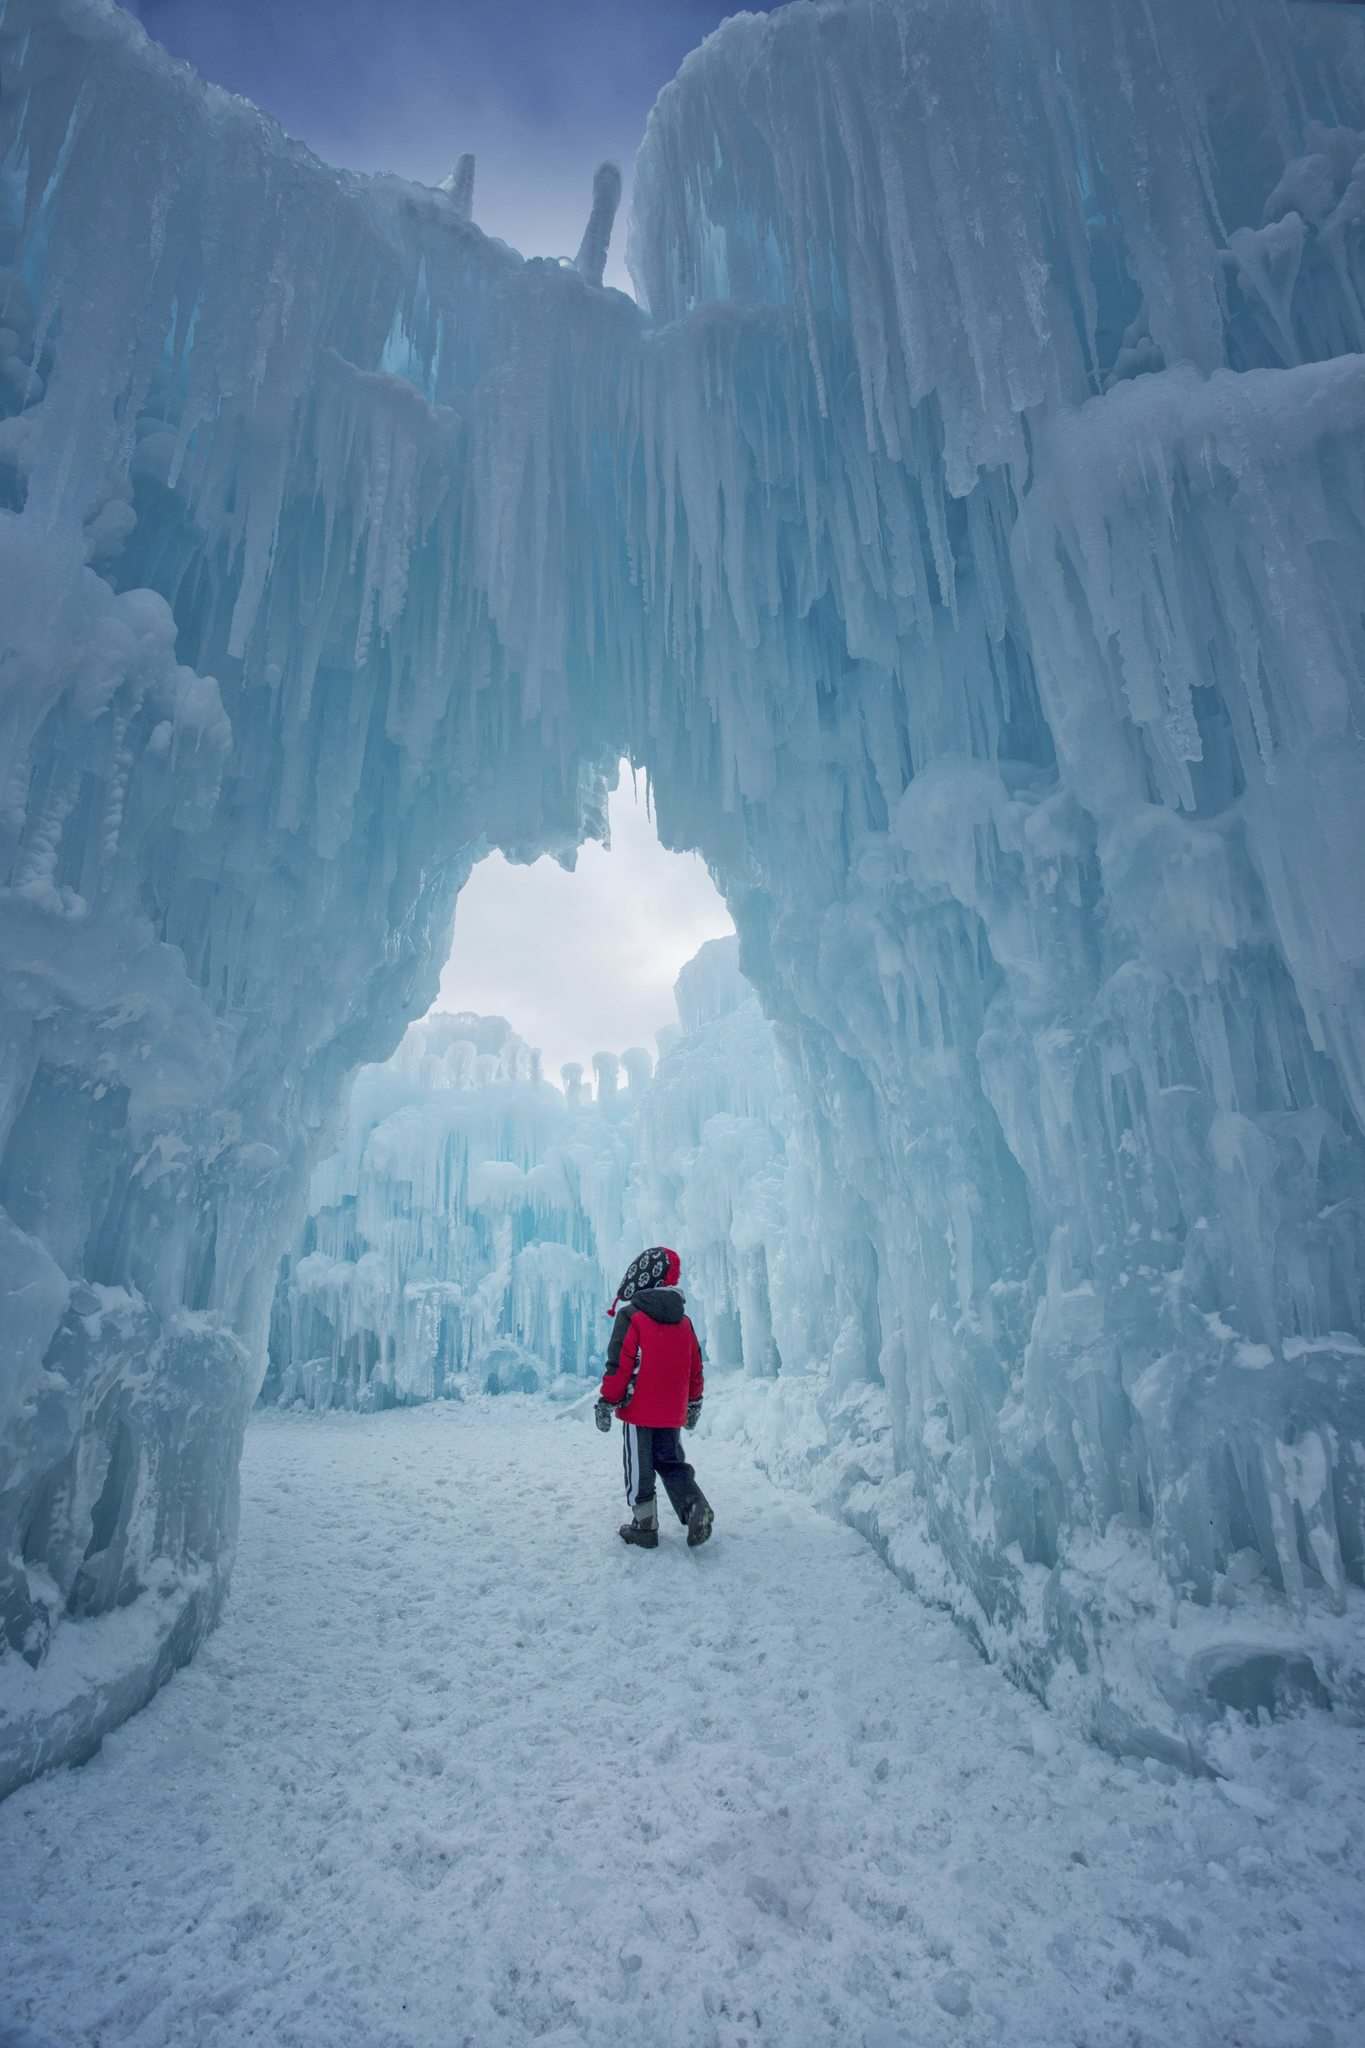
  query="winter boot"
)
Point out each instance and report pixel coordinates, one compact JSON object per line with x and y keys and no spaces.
{"x":699,"y":1521}
{"x":643,"y":1529}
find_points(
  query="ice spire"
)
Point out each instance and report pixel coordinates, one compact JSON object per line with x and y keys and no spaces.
{"x":460,"y":186}
{"x":572,"y":1073}
{"x":607,"y":1068}
{"x":591,"y":260}
{"x":639,"y":1068}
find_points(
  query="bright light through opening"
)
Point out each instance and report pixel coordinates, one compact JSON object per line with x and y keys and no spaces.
{"x":584,"y":962}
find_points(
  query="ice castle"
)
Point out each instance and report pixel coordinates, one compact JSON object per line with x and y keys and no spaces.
{"x":966,"y":532}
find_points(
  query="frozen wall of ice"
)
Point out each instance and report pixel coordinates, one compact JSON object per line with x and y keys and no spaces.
{"x":721,"y":1171}
{"x":474,"y":1220}
{"x":970,"y":548}
{"x":260,"y":713}
{"x":1045,"y":362}
{"x":452,"y":1240}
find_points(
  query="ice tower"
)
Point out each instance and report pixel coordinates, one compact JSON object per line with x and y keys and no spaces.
{"x":967,"y":533}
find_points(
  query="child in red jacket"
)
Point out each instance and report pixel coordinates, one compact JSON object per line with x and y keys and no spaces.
{"x":653,"y":1382}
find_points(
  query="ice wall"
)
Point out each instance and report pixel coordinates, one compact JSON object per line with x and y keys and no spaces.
{"x":452,"y":1240}
{"x":718,"y":1173}
{"x":1045,"y":361}
{"x":971,"y":550}
{"x":268,"y":691}
{"x":473,"y":1221}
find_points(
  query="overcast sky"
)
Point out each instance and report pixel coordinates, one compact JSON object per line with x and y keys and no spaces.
{"x":540,"y":90}
{"x":584,"y":962}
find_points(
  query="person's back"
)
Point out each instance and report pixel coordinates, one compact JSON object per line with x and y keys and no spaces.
{"x":653,"y":1383}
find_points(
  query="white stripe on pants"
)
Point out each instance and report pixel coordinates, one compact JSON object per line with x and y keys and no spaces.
{"x":631,"y":1455}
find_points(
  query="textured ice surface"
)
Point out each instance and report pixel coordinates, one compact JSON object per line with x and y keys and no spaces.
{"x":971,"y":551}
{"x":452,"y":1242}
{"x":474,"y":1220}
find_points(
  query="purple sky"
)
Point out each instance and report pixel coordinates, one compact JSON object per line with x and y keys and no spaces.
{"x":540,"y":90}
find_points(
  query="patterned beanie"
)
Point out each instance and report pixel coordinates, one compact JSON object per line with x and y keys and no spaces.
{"x":658,"y":1267}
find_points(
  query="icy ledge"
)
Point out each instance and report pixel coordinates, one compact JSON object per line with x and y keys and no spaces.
{"x":103,"y":1669}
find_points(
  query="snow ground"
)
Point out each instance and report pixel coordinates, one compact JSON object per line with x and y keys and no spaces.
{"x":460,"y":1769}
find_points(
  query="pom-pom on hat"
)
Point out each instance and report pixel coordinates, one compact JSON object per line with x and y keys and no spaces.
{"x":658,"y":1267}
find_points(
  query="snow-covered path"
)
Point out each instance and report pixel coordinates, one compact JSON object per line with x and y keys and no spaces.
{"x":460,"y":1769}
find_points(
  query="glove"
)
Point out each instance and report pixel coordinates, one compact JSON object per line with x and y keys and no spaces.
{"x":601,"y":1415}
{"x":693,"y":1415}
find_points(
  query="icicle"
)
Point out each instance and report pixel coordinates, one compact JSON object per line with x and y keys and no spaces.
{"x":37,"y":866}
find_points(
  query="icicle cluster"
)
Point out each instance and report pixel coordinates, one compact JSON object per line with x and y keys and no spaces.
{"x":474,"y":1220}
{"x":451,"y":1243}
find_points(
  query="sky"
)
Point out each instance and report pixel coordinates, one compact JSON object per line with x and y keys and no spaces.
{"x":541,"y":90}
{"x":584,"y":962}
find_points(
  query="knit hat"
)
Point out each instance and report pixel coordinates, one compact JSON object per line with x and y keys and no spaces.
{"x":658,"y":1267}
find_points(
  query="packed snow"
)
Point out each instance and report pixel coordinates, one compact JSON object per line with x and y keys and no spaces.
{"x":460,"y":1768}
{"x":965,"y":534}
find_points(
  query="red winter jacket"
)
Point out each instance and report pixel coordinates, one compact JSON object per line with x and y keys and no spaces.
{"x":654,"y":1363}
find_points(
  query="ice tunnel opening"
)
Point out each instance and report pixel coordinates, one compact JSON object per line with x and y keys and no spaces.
{"x":493,"y":1178}
{"x":583,"y":958}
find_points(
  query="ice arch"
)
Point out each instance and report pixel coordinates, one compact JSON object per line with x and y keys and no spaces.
{"x":971,"y":549}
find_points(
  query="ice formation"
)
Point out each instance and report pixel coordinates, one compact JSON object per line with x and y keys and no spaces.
{"x":460,"y":186}
{"x":452,"y":1240}
{"x":968,"y":539}
{"x":591,"y":260}
{"x":474,"y":1220}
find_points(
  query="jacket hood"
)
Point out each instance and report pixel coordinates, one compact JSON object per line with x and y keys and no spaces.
{"x":660,"y":1304}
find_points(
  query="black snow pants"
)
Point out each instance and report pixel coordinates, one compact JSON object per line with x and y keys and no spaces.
{"x":648,"y":1452}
